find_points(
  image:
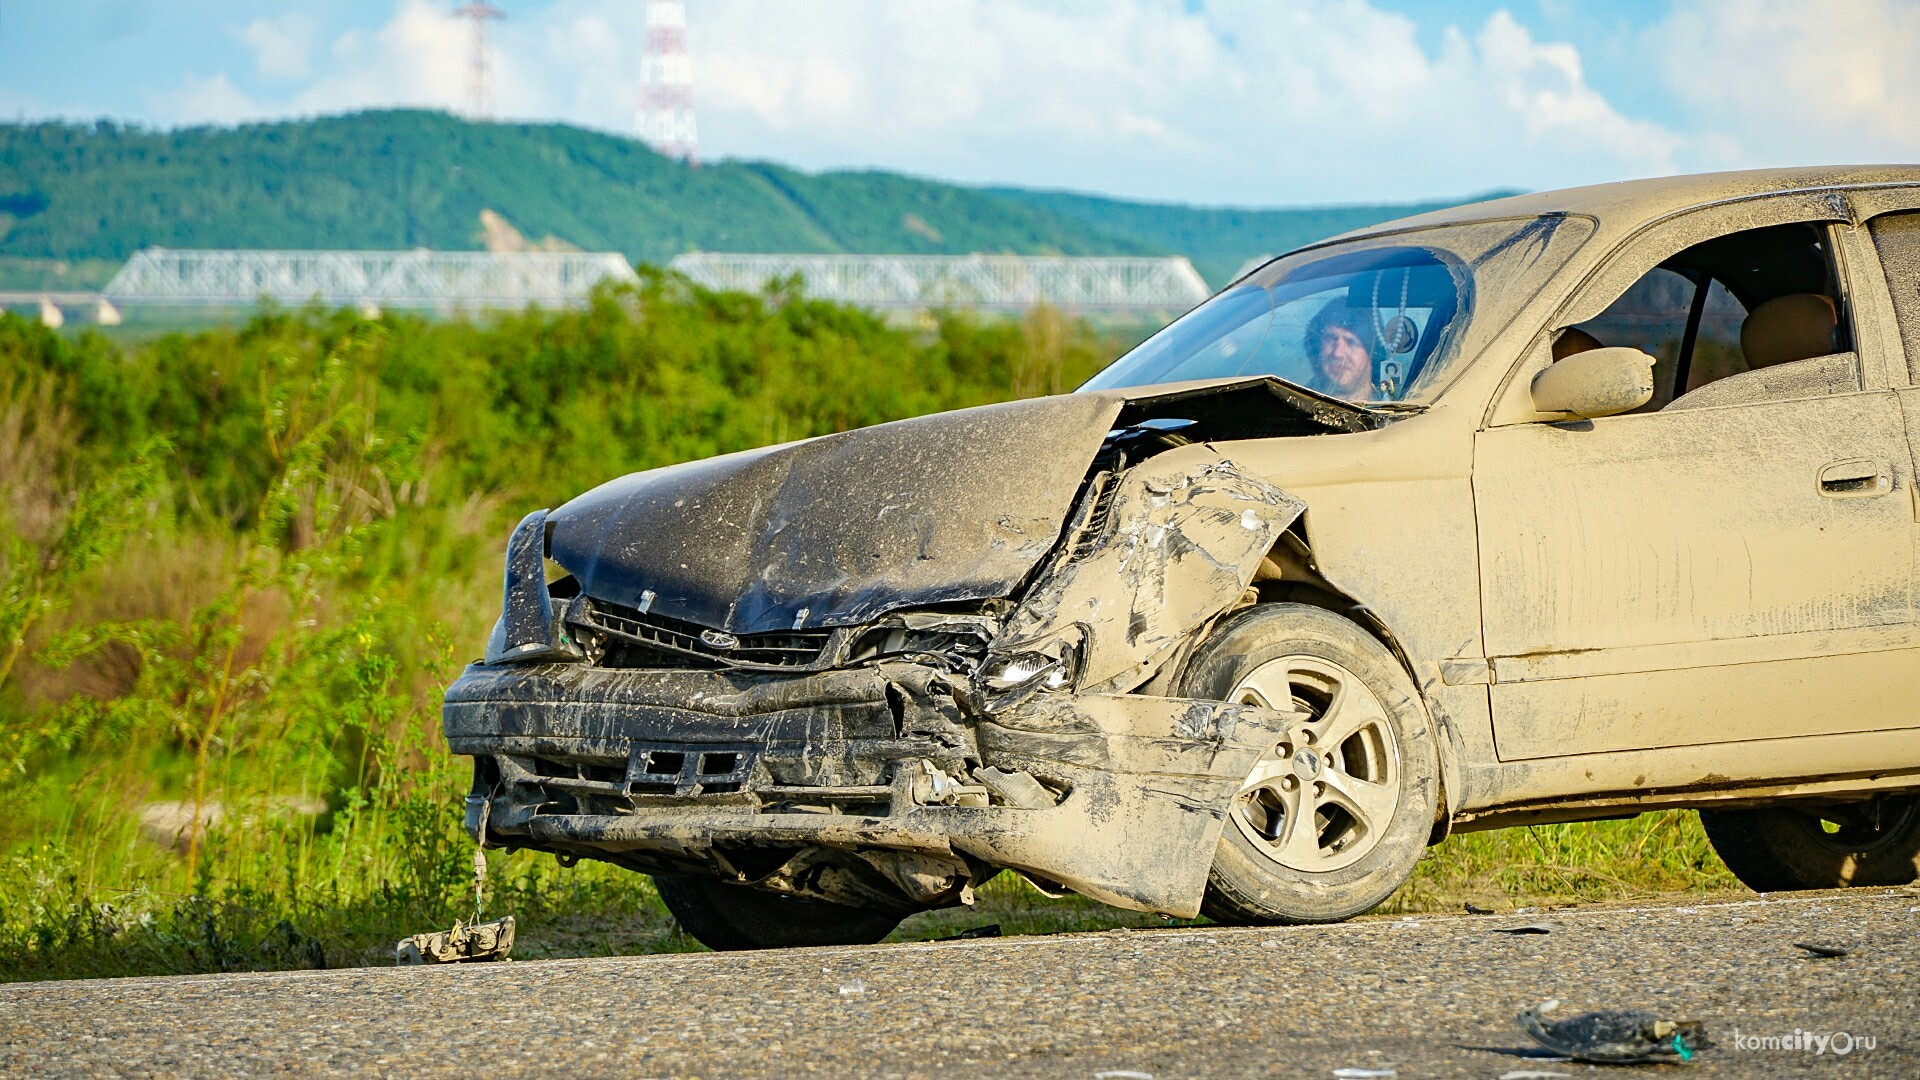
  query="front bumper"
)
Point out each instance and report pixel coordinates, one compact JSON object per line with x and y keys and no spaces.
{"x":886,"y":780}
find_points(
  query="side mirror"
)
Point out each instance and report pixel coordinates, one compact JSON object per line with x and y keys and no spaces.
{"x":1598,"y":382}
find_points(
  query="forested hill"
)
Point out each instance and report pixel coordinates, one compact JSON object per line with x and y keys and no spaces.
{"x":408,"y":178}
{"x":1218,"y":239}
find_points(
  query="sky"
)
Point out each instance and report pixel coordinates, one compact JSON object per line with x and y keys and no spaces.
{"x":1213,"y":102}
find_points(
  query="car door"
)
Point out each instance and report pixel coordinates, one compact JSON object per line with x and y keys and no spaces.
{"x":1738,"y":574}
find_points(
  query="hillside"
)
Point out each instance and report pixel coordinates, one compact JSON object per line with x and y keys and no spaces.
{"x":408,"y":178}
{"x":1219,"y":240}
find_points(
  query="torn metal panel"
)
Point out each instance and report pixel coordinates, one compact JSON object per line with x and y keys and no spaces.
{"x":1177,"y":544}
{"x":1120,"y":797}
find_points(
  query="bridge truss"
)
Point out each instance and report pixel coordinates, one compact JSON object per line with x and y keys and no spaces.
{"x":444,"y":280}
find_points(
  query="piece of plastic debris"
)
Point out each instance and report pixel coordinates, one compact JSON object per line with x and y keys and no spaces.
{"x":1616,"y":1036}
{"x":1121,"y":1074}
{"x":853,"y":989}
{"x":1528,"y":928}
{"x":464,"y":944}
{"x":989,"y":930}
{"x":1533,"y":1074}
{"x":1365,"y":1074}
{"x":1822,"y":951}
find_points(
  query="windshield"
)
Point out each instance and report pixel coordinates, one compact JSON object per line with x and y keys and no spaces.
{"x":1374,"y":320}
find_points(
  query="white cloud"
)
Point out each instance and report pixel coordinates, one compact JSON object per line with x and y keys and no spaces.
{"x":1246,"y":101}
{"x":419,"y":57}
{"x":209,"y":100}
{"x":1783,"y":83}
{"x":281,"y":47}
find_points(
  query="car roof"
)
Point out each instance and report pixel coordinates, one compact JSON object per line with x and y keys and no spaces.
{"x":1623,"y":205}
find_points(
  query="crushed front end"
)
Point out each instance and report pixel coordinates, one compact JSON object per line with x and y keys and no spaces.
{"x":787,"y":670}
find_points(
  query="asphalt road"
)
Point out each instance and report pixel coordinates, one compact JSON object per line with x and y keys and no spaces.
{"x":1429,"y":996}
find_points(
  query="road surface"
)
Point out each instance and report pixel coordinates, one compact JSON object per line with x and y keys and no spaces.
{"x":1427,"y":996}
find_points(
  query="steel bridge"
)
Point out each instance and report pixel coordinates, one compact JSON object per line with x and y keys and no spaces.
{"x":989,"y":282}
{"x":446,"y":280}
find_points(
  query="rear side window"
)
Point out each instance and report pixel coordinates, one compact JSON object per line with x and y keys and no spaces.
{"x":1897,"y":236}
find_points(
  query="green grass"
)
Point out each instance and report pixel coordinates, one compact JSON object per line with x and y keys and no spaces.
{"x":238,"y":565}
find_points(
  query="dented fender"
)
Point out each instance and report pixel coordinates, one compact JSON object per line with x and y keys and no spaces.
{"x":1164,"y":548}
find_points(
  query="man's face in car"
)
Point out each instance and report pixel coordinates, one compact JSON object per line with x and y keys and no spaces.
{"x":1343,"y":363}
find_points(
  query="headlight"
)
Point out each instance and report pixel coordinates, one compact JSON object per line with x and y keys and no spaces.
{"x":1055,"y":669}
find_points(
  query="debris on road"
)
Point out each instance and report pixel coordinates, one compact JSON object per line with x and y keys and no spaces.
{"x":1365,"y":1074}
{"x":1616,"y":1036}
{"x":1526,"y":928}
{"x":475,"y":943}
{"x":1825,"y":952}
{"x":987,"y":931}
{"x":1476,"y":909}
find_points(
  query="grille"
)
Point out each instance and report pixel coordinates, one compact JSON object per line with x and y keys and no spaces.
{"x":799,"y":649}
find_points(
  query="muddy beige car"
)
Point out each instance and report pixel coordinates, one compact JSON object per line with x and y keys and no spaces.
{"x":1557,"y":507}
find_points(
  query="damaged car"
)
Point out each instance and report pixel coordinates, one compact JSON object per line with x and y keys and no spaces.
{"x":1557,"y":507}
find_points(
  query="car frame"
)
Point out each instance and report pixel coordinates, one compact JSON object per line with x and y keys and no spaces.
{"x":1124,"y":641}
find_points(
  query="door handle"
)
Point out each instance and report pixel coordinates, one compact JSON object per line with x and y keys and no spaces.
{"x":1855,"y":478}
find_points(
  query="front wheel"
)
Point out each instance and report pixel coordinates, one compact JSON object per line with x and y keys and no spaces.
{"x":726,"y":917}
{"x":1808,"y":846}
{"x":1332,"y":819}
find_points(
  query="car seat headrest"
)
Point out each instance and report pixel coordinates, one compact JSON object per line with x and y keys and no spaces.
{"x":1798,"y":326}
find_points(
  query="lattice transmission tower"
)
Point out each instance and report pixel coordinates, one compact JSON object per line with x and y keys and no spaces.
{"x":480,"y":56}
{"x":665,"y":116}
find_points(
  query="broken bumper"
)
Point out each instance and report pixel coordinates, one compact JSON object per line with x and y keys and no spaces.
{"x":753,"y":776}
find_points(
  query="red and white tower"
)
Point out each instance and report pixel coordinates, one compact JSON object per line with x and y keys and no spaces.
{"x":666,"y":83}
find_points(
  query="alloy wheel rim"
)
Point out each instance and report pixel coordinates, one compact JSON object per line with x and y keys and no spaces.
{"x":1322,"y":797}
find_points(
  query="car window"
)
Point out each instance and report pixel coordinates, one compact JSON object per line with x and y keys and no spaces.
{"x":1735,"y":304}
{"x":1897,"y":237}
{"x":1652,"y":316}
{"x":1372,"y":320}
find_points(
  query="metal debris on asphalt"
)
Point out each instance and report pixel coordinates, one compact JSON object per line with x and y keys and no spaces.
{"x":1822,"y":951}
{"x":465,"y":943}
{"x":1616,"y":1036}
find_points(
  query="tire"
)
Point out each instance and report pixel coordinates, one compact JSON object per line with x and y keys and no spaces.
{"x":1372,"y":794}
{"x":1792,"y":847}
{"x":727,"y":918}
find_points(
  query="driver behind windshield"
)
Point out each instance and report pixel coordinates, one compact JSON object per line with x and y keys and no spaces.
{"x":1339,"y":343}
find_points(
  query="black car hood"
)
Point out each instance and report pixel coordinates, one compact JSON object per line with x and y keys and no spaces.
{"x":837,"y":530}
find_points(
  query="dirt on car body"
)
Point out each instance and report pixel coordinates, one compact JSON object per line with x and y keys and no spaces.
{"x":1544,"y":509}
